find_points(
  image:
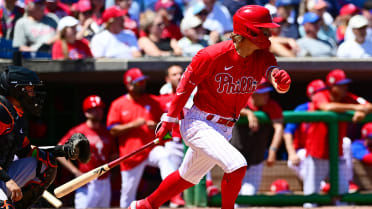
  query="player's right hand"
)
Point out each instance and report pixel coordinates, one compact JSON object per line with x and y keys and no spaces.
{"x":163,"y":128}
{"x":15,"y":190}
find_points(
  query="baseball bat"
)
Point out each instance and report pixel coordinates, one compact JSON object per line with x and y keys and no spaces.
{"x":79,"y":181}
{"x":52,"y":199}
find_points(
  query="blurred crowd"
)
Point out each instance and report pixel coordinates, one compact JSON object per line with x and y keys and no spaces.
{"x":71,"y":29}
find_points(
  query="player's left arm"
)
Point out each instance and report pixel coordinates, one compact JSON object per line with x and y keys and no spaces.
{"x":276,"y":141}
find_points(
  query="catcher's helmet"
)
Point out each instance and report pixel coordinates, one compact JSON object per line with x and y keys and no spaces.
{"x":91,"y":102}
{"x":314,"y":87}
{"x":14,"y":82}
{"x":249,"y":19}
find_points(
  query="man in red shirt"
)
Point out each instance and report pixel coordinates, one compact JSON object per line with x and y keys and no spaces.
{"x":226,"y":74}
{"x":132,"y":118}
{"x":337,"y":99}
{"x":102,"y":147}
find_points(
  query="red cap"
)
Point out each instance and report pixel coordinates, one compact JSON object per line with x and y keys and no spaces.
{"x":133,"y":75}
{"x":367,"y":131}
{"x":113,"y":12}
{"x":349,"y":9}
{"x":164,"y":4}
{"x":82,"y":6}
{"x":278,"y":19}
{"x":91,"y":102}
{"x":314,"y":87}
{"x":337,"y":77}
{"x":280,"y":186}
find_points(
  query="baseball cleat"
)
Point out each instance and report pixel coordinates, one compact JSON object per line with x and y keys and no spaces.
{"x":140,"y":204}
{"x":176,"y":201}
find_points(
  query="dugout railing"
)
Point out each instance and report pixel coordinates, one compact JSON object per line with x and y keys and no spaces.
{"x":199,"y":197}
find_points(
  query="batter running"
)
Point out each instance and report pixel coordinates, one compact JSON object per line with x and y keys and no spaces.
{"x":226,"y":74}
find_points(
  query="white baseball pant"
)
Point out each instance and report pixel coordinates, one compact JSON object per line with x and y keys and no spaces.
{"x":96,"y":194}
{"x":130,"y":179}
{"x":208,"y":144}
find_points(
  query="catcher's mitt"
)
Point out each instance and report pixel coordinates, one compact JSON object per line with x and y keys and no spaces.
{"x":77,"y":147}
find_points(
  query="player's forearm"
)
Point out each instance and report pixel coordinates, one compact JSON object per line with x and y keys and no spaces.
{"x":277,"y":137}
{"x":288,"y":141}
{"x":69,"y":166}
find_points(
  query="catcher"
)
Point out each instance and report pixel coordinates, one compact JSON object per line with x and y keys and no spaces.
{"x":26,"y":170}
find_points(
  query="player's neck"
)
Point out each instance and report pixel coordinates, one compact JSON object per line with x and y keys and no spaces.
{"x":93,"y":124}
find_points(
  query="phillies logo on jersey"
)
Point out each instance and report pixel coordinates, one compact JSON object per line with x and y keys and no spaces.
{"x":227,"y":84}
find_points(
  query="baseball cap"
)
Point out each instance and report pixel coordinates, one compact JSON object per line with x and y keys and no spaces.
{"x":366,"y":131}
{"x":82,"y":6}
{"x":133,"y":76}
{"x":358,"y":21}
{"x":263,"y":87}
{"x":337,"y":77}
{"x":316,"y":4}
{"x":189,"y":22}
{"x":33,"y":1}
{"x":315,"y":86}
{"x":113,"y":12}
{"x":278,"y":19}
{"x":164,"y":4}
{"x":280,"y":186}
{"x":310,"y":17}
{"x":67,"y":21}
{"x":349,"y":9}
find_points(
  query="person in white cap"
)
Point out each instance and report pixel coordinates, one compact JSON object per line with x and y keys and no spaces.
{"x":193,"y":40}
{"x":358,"y":47}
{"x":67,"y":47}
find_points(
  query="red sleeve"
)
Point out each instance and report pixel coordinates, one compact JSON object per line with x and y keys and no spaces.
{"x":57,"y":50}
{"x":85,"y":47}
{"x":354,"y":99}
{"x":367,"y":159}
{"x":268,"y":62}
{"x":319,"y":99}
{"x":273,"y":109}
{"x":113,"y":116}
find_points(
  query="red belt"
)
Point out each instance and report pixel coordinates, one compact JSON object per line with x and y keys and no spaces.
{"x":222,"y":121}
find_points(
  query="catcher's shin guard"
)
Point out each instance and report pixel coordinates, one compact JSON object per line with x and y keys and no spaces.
{"x":6,"y":204}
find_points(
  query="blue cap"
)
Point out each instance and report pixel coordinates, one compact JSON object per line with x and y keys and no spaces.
{"x":279,"y":3}
{"x":198,"y":7}
{"x":310,"y":17}
{"x":264,"y":90}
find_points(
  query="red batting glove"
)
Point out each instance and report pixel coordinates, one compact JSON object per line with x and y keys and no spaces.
{"x":282,"y":80}
{"x":162,"y":129}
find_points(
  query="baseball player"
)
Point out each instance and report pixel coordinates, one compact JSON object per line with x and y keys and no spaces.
{"x":253,"y":143}
{"x":101,"y":148}
{"x":133,"y":118}
{"x":23,"y":181}
{"x":226,"y":74}
{"x":362,"y":148}
{"x":338,"y":99}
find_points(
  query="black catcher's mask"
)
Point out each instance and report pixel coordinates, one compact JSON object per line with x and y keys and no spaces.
{"x":25,"y":86}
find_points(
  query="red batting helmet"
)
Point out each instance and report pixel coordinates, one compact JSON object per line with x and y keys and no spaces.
{"x":367,"y":130}
{"x":249,"y":19}
{"x":91,"y":102}
{"x":314,"y":87}
{"x":280,"y":186}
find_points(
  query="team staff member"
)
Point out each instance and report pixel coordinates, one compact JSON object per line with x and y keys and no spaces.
{"x":337,"y":99}
{"x":226,"y":74}
{"x":101,"y":147}
{"x":23,"y":181}
{"x":253,"y":142}
{"x":132,"y":118}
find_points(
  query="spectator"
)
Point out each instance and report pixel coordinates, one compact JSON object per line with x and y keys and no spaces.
{"x":233,"y":5}
{"x":362,"y":148}
{"x":153,"y":44}
{"x":367,"y":12}
{"x":102,"y":149}
{"x":87,"y":27}
{"x":201,"y":12}
{"x":285,"y":9}
{"x":218,"y":19}
{"x":253,"y":143}
{"x":35,"y":31}
{"x":114,"y":42}
{"x":132,"y":118}
{"x":67,"y":47}
{"x":98,"y":8}
{"x":358,"y":47}
{"x":193,"y":39}
{"x":337,"y":99}
{"x":129,"y":23}
{"x":270,"y":5}
{"x":172,"y":14}
{"x":342,"y":21}
{"x":310,"y":44}
{"x":9,"y":15}
{"x":282,"y":46}
{"x":56,"y":7}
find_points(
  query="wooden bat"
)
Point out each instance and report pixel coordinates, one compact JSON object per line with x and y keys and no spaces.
{"x":97,"y":172}
{"x":52,"y":199}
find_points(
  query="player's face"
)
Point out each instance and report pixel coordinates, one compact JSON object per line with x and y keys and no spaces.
{"x":139,"y":87}
{"x":95,"y":114}
{"x":339,"y":91}
{"x":174,"y":76}
{"x":261,"y":99}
